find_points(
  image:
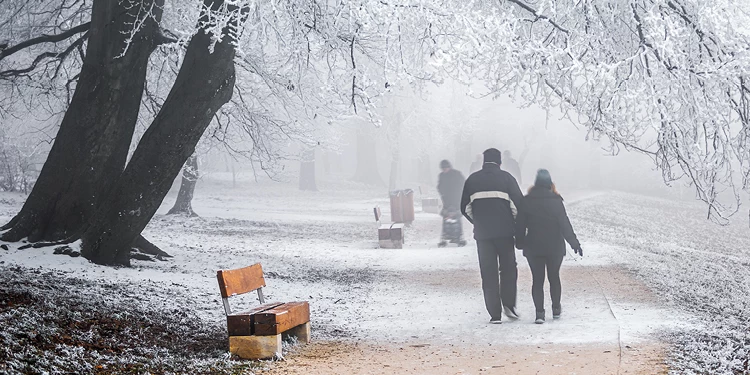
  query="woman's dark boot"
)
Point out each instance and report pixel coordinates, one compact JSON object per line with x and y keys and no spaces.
{"x":556,"y":312}
{"x":539,"y":317}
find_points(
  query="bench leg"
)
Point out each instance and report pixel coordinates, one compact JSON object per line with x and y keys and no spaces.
{"x":255,"y":347}
{"x":302,"y":332}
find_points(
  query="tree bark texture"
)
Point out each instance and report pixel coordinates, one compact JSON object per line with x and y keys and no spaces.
{"x":184,"y":203}
{"x":204,"y":84}
{"x":307,"y":171}
{"x":91,"y":147}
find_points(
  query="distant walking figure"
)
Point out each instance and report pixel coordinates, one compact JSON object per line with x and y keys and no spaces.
{"x":450,"y":185}
{"x":512,"y":166}
{"x":542,"y":229}
{"x":489,"y":201}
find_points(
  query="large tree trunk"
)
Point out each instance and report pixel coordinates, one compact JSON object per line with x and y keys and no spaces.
{"x":367,"y":161}
{"x":92,"y":144}
{"x":203,"y":85}
{"x":307,"y":171}
{"x":184,"y":203}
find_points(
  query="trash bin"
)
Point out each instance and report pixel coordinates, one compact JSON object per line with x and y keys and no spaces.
{"x":402,"y":206}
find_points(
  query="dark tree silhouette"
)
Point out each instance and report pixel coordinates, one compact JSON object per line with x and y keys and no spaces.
{"x":91,"y":147}
{"x":204,"y":84}
{"x":85,"y":191}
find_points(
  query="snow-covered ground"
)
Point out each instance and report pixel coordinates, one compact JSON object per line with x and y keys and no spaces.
{"x":320,"y":246}
{"x":701,"y":268}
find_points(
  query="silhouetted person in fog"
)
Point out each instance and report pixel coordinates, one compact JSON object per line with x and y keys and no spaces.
{"x":450,"y":186}
{"x":512,"y":166}
{"x":542,"y":229}
{"x":489,"y":201}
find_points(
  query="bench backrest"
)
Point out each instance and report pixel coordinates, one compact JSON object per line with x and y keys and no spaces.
{"x":241,"y":280}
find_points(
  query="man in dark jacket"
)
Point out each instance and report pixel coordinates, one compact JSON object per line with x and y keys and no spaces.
{"x":490,"y":201}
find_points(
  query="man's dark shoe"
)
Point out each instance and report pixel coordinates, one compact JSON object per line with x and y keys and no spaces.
{"x":556,"y":312}
{"x":510,"y":312}
{"x":539,"y":317}
{"x":496,"y":321}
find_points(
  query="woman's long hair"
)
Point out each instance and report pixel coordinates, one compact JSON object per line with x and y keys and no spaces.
{"x":553,"y":188}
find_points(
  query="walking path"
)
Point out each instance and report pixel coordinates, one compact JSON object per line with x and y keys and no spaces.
{"x":420,"y":310}
{"x":426,"y":315}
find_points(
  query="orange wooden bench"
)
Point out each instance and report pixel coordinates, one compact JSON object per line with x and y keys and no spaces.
{"x":257,"y":333}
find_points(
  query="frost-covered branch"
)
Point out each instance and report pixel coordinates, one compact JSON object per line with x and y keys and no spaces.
{"x":667,"y":79}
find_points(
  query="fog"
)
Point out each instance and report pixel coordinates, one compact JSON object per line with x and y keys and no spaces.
{"x":413,"y":130}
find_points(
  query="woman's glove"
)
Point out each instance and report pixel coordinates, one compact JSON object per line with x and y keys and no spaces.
{"x":578,"y":251}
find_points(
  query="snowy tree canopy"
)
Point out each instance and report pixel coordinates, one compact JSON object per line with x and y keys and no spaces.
{"x":303,"y":64}
{"x":666,"y":78}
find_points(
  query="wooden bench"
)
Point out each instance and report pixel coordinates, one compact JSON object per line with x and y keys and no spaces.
{"x":390,"y":236}
{"x":257,"y":333}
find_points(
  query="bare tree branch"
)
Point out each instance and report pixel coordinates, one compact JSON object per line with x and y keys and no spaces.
{"x":45,"y":55}
{"x":44,"y":38}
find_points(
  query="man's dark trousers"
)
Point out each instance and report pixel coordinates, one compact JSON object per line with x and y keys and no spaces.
{"x":499,"y":289}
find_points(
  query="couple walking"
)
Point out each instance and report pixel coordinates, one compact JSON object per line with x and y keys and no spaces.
{"x":536,"y":223}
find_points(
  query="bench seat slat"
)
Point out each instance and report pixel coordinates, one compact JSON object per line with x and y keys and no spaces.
{"x":258,"y":309}
{"x":241,"y":323}
{"x":281,"y":318}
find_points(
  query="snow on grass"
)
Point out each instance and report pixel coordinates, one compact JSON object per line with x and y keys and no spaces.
{"x":304,"y":259}
{"x":320,"y":246}
{"x":54,"y":323}
{"x":701,"y":267}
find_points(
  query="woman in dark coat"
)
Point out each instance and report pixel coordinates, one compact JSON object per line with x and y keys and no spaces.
{"x":542,"y":229}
